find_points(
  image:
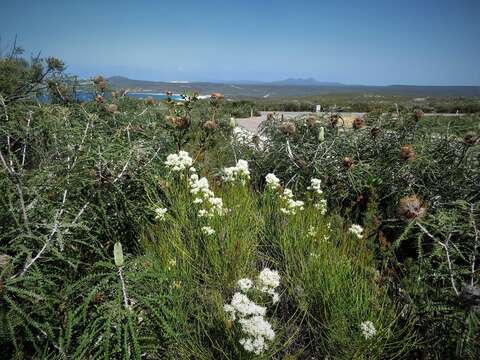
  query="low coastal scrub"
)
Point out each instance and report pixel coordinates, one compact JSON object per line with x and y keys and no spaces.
{"x":136,"y":229}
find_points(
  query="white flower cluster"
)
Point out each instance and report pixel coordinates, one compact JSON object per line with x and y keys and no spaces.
{"x":291,"y":205}
{"x":356,"y":230}
{"x":245,"y":137}
{"x":160,"y":214}
{"x":273,"y":182}
{"x":199,"y":187}
{"x":179,"y":162}
{"x":207,"y":230}
{"x":368,"y":329}
{"x":321,"y":203}
{"x":250,"y":315}
{"x":237,"y":172}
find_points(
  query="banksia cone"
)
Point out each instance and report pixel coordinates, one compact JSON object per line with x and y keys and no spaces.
{"x":407,"y":153}
{"x":375,"y":132}
{"x":112,"y":108}
{"x":288,"y":128}
{"x":334,"y":120}
{"x":98,"y":298}
{"x":210,"y":125}
{"x":217,"y":96}
{"x":418,"y":114}
{"x":100,"y":83}
{"x":150,"y":101}
{"x":99,"y":99}
{"x":347,"y":162}
{"x":311,"y":121}
{"x":269,"y":116}
{"x":358,"y":123}
{"x":470,"y":138}
{"x":411,"y":207}
{"x":118,"y":254}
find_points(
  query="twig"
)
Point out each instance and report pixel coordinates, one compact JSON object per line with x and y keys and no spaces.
{"x":475,"y":244}
{"x":24,"y":150}
{"x":124,"y":289}
{"x":55,"y":228}
{"x":445,"y":246}
{"x":119,"y":176}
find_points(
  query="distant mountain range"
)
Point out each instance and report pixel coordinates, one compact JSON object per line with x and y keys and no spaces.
{"x":291,"y":87}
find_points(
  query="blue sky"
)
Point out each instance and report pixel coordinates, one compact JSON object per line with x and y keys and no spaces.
{"x":427,"y":42}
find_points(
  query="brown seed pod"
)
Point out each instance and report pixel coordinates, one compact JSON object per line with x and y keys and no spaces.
{"x":269,"y":116}
{"x":470,"y":138}
{"x":288,"y":128}
{"x":99,"y":99}
{"x":311,"y":121}
{"x":418,"y":114}
{"x":407,"y":153}
{"x":150,"y":101}
{"x":210,"y":125}
{"x":334,"y":120}
{"x":375,"y":132}
{"x":217,"y":96}
{"x":98,"y":298}
{"x":411,"y":207}
{"x":112,"y":108}
{"x":181,"y":122}
{"x":347,"y":162}
{"x":358,"y":123}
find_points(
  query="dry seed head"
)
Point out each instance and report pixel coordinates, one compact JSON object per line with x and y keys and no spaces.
{"x":347,"y":162}
{"x":150,"y":101}
{"x":98,"y":79}
{"x":217,"y":96}
{"x":181,"y":122}
{"x":411,"y":207}
{"x":375,"y":132}
{"x":112,"y":108}
{"x":99,"y":99}
{"x":311,"y":121}
{"x":288,"y":128}
{"x":418,"y":114}
{"x":358,"y":123}
{"x":407,"y":153}
{"x":334,"y":120}
{"x":210,"y":125}
{"x":269,"y":116}
{"x":470,"y":138}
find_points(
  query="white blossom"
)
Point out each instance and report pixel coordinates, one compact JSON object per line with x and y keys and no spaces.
{"x":160,"y":214}
{"x":245,"y":307}
{"x":368,"y":329}
{"x":268,"y":279}
{"x":238,"y":172}
{"x":207,"y":230}
{"x":272,"y":181}
{"x":356,"y":230}
{"x":179,"y":161}
{"x":245,"y":284}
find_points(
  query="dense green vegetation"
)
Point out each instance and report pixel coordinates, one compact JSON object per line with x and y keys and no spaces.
{"x":135,"y":229}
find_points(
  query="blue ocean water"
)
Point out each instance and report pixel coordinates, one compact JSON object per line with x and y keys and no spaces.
{"x":90,"y":96}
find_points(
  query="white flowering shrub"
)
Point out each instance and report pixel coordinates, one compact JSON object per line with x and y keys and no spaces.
{"x":320,"y":202}
{"x":368,"y":329}
{"x":239,"y":172}
{"x":258,"y":332}
{"x":179,"y":161}
{"x":272,"y":181}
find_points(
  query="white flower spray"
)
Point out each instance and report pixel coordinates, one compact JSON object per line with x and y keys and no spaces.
{"x":256,"y":330}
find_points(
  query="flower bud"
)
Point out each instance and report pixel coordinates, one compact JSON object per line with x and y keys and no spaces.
{"x":118,"y":254}
{"x":321,"y":134}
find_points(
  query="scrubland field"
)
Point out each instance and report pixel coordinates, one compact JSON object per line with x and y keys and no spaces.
{"x":161,"y":230}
